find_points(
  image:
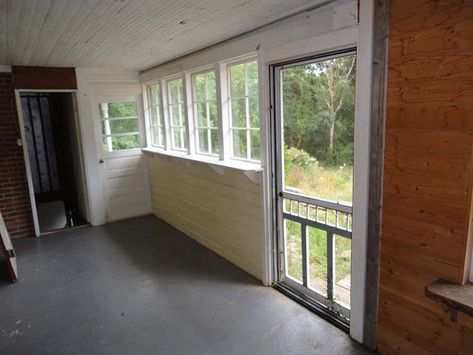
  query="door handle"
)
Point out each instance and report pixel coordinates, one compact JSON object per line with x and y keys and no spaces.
{"x":100,"y":161}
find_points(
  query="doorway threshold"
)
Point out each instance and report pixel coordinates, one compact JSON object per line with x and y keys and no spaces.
{"x":312,"y":306}
{"x":54,"y":231}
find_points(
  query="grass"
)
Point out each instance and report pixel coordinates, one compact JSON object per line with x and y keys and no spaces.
{"x":305,"y":175}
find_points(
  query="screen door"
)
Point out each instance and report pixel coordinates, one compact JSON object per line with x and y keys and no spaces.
{"x":314,"y":110}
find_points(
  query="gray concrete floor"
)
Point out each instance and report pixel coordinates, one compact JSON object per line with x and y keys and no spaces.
{"x":141,"y":287}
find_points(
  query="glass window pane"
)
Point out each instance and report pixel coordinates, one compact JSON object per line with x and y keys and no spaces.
{"x":153,"y":95}
{"x":255,"y":145}
{"x":175,"y":115}
{"x":177,"y":138}
{"x":252,"y":72}
{"x":342,"y":270}
{"x":158,"y":135}
{"x":237,"y":80}
{"x":199,"y":88}
{"x":238,"y":113}
{"x":175,"y":91}
{"x":119,"y":126}
{"x":317,"y":260}
{"x":214,"y":139}
{"x":203,"y":141}
{"x":213,"y":114}
{"x":239,"y":143}
{"x":155,"y":115}
{"x":318,"y":123}
{"x":201,"y":114}
{"x":211,"y":86}
{"x":253,"y":111}
{"x":121,"y":109}
{"x":120,"y":143}
{"x":293,"y":248}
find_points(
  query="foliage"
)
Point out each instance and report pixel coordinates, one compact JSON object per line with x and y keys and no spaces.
{"x":317,"y":98}
{"x":121,"y":126}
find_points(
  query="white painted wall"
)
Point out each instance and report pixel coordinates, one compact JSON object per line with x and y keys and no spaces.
{"x":93,"y":83}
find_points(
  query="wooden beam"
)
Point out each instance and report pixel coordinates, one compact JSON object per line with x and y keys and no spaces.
{"x":378,"y":119}
{"x":44,"y":78}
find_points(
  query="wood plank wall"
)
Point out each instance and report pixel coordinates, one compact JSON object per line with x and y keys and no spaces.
{"x":428,"y":175}
{"x":221,"y":212}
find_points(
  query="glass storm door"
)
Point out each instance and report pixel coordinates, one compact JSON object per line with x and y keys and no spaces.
{"x":314,"y":106}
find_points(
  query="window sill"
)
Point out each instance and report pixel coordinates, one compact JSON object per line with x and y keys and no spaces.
{"x":250,"y":170}
{"x":456,"y":297}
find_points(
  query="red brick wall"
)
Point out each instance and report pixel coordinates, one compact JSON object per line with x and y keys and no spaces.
{"x":14,"y":197}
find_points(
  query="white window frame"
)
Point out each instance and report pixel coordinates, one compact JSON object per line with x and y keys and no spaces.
{"x":168,"y":115}
{"x":106,"y":120}
{"x":150,"y":126}
{"x":208,"y":127}
{"x":224,"y":158}
{"x":228,"y":99}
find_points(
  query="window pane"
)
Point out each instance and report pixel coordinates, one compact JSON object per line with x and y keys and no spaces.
{"x":254,"y":111}
{"x":239,"y":143}
{"x":175,"y":115}
{"x":175,"y":91}
{"x":119,"y":126}
{"x":203,"y":144}
{"x":158,"y":135}
{"x":211,"y":86}
{"x":252,"y":72}
{"x":213,"y":114}
{"x":255,"y":145}
{"x":121,"y":109}
{"x":201,"y":114}
{"x":237,"y":80}
{"x":238,"y":113}
{"x":199,"y":82}
{"x":120,"y":143}
{"x":318,"y":103}
{"x":155,"y":115}
{"x":153,"y":95}
{"x":214,"y":138}
{"x":178,"y":138}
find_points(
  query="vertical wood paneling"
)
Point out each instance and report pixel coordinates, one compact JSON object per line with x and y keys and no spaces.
{"x":428,"y":174}
{"x":221,"y":212}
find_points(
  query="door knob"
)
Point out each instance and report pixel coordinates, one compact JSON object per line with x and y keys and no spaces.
{"x":101,"y":161}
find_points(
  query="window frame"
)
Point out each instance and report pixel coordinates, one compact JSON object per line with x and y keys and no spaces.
{"x":108,"y":100}
{"x":224,"y":156}
{"x":166,"y":96}
{"x":160,"y":112}
{"x":245,"y":60}
{"x":194,"y":103}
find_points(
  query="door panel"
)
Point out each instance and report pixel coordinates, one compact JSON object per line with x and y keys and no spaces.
{"x":313,"y":154}
{"x":120,"y":134}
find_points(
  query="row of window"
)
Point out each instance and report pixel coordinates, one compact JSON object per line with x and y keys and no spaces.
{"x":230,"y":119}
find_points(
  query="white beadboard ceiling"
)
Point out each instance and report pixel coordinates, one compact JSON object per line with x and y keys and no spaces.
{"x":130,"y":34}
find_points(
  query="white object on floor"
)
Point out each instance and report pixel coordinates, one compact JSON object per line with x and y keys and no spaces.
{"x":51,"y":215}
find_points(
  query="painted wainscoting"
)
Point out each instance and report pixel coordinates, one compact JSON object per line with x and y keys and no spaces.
{"x":222,"y":212}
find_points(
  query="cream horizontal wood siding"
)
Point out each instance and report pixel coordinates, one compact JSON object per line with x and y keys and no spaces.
{"x":222,"y":212}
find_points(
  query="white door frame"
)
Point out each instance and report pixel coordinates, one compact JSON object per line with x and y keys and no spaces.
{"x":26,"y":158}
{"x":359,"y":36}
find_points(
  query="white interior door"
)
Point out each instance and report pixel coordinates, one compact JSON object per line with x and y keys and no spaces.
{"x":123,"y":169}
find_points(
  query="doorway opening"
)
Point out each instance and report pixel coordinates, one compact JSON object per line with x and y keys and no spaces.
{"x":54,"y":158}
{"x":313,"y":159}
